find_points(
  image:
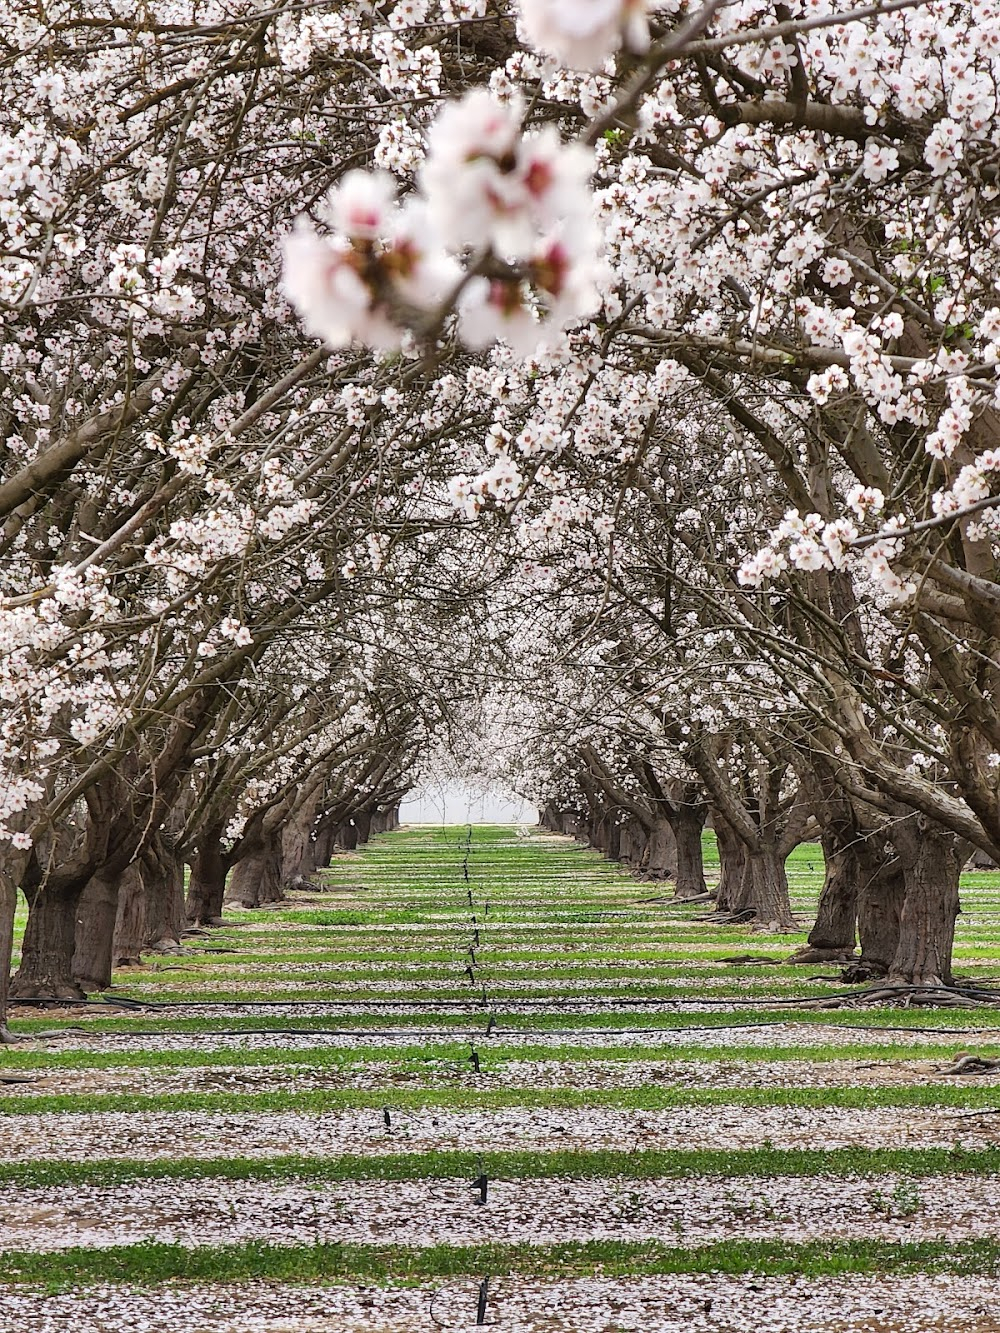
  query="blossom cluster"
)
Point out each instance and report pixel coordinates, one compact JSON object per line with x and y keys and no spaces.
{"x":515,"y":204}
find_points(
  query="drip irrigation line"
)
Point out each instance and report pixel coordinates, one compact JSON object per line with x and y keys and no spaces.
{"x":788,"y":1001}
{"x":462,"y":1035}
{"x":49,"y":1002}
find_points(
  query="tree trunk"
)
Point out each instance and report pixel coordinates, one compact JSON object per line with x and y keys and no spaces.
{"x":131,"y":922}
{"x":95,"y":929}
{"x":662,"y":847}
{"x":298,"y":854}
{"x":347,"y":836}
{"x":880,"y":901}
{"x":46,"y":969}
{"x":632,"y":843}
{"x":363,"y":823}
{"x":931,"y":868}
{"x":8,"y":906}
{"x":207,"y":885}
{"x":163,"y":891}
{"x":256,"y":879}
{"x":572,"y":825}
{"x":690,"y":877}
{"x":832,"y":936}
{"x":325,"y":836}
{"x":768,"y":888}
{"x":614,"y":848}
{"x":732,"y":866}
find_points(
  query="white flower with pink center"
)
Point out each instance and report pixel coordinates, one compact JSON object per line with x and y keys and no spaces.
{"x":582,"y":34}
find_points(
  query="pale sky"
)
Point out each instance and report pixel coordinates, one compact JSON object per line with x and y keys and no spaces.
{"x":453,"y":803}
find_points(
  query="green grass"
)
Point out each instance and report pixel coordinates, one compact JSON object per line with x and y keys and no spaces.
{"x":763,"y":1163}
{"x":637,"y":1099}
{"x":151,"y":1263}
{"x":432,"y":1057}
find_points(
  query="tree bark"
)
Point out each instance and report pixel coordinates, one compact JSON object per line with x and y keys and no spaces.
{"x":207,"y":885}
{"x":325,"y":837}
{"x":687,"y":824}
{"x":661,"y":862}
{"x":766,"y":888}
{"x":880,"y":901}
{"x":732,"y":866}
{"x":833,"y":934}
{"x":8,"y":906}
{"x":163,"y":891}
{"x":256,"y":879}
{"x":931,"y":867}
{"x":632,"y":846}
{"x":298,"y":850}
{"x":131,"y":922}
{"x":363,"y":824}
{"x":613,"y":852}
{"x":46,"y":969}
{"x":96,"y":916}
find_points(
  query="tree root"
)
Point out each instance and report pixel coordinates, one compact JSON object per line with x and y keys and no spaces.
{"x":857,"y":973}
{"x":744,"y":959}
{"x":903,"y":996}
{"x":46,"y":992}
{"x":964,"y":1064}
{"x":814,"y":954}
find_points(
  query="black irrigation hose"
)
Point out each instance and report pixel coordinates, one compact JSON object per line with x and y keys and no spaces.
{"x":462,"y":1034}
{"x":50,"y":1002}
{"x":788,"y":1001}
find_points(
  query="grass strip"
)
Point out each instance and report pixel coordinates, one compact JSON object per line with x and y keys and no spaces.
{"x":762,"y":1163}
{"x":151,"y":1263}
{"x":959,"y":1021}
{"x":471,"y":1098}
{"x":454,"y":1057}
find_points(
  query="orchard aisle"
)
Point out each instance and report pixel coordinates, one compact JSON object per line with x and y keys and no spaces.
{"x":486,"y":1053}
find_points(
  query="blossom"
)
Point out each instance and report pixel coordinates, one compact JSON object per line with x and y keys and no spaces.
{"x":486,"y":183}
{"x":352,"y":287}
{"x":879,"y":161}
{"x":583,"y":33}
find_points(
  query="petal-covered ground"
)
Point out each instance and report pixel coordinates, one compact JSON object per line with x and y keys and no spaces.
{"x":347,"y":1112}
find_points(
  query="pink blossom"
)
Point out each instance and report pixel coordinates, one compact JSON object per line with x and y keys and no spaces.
{"x":584,"y":33}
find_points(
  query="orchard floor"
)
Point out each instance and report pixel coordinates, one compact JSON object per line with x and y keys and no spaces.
{"x":491,"y":1055}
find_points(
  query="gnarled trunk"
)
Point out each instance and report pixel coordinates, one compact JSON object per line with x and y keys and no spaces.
{"x":613,"y":851}
{"x":764,"y":889}
{"x":207,"y":885}
{"x":632,"y":843}
{"x":661,"y":858}
{"x":880,"y":902}
{"x":732,"y":866}
{"x":833,"y":934}
{"x":298,"y":849}
{"x":163,"y":892}
{"x":8,"y":906}
{"x":690,"y":867}
{"x":363,"y":824}
{"x":46,"y":969}
{"x":95,"y":928}
{"x":131,"y":922}
{"x":931,"y":867}
{"x":256,"y":879}
{"x":325,"y":837}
